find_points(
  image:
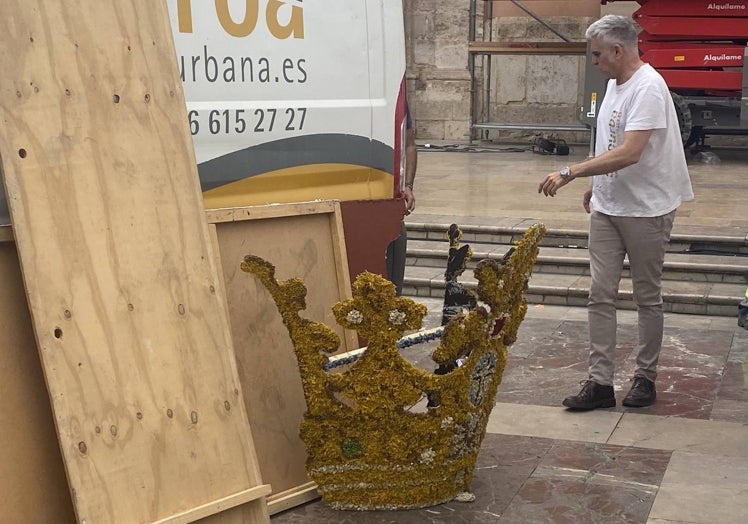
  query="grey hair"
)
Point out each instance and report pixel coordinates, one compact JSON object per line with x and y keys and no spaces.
{"x":615,"y":29}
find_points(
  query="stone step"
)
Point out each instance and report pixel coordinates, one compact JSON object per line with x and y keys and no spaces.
{"x":484,"y":230}
{"x":699,"y":298}
{"x":687,"y":266}
{"x":706,"y":268}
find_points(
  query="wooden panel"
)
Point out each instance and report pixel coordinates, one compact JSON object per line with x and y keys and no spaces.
{"x":120,"y":277}
{"x":32,"y":469}
{"x":301,"y":240}
{"x":528,"y":48}
{"x":548,"y":8}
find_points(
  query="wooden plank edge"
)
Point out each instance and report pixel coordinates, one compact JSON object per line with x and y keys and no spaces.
{"x":527,"y":44}
{"x":529,"y":48}
{"x":292,"y":497}
{"x":253,"y":462}
{"x":237,"y":214}
{"x":218,"y":506}
{"x":350,"y":336}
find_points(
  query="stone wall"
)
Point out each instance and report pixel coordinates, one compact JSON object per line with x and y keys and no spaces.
{"x":437,"y":73}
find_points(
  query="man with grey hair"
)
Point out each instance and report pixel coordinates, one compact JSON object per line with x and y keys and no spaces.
{"x":639,"y":178}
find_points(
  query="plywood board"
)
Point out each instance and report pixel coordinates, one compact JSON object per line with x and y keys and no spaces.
{"x":120,"y":277}
{"x":302,"y":240}
{"x":32,"y":470}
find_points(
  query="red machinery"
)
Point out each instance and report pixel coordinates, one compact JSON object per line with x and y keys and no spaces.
{"x":699,"y":47}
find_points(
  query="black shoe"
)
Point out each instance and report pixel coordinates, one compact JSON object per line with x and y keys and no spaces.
{"x":592,"y":396}
{"x":641,"y":394}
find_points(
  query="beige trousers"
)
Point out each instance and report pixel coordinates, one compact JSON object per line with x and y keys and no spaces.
{"x":644,"y":240}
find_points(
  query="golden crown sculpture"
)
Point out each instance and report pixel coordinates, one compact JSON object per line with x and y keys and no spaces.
{"x":366,"y":449}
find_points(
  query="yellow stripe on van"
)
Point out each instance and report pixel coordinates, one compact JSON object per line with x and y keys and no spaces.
{"x":302,"y":184}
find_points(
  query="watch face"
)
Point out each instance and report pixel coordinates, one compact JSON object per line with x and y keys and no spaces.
{"x":564,"y":171}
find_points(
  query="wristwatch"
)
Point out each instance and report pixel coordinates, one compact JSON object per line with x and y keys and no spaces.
{"x":565,"y":173}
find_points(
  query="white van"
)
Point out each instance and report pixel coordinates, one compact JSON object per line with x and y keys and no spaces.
{"x":293,"y":100}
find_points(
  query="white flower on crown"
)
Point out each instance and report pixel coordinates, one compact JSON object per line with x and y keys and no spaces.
{"x":354,"y":316}
{"x":397,"y":317}
{"x":427,"y":456}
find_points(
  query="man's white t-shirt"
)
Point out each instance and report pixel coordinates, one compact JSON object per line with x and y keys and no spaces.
{"x":659,"y":182}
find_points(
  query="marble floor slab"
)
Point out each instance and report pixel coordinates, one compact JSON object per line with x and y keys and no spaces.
{"x":703,"y":489}
{"x":553,"y":422}
{"x":716,"y":438}
{"x":584,"y":482}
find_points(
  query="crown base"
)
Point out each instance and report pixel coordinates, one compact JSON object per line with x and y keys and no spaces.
{"x":364,"y":486}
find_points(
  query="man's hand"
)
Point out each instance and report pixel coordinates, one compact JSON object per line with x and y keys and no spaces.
{"x":552,"y":183}
{"x":586,"y":200}
{"x":409,"y":199}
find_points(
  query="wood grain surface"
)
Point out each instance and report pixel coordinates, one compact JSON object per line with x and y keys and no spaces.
{"x":120,"y":275}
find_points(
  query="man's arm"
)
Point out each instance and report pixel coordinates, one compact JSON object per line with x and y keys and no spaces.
{"x":625,"y":155}
{"x":411,"y":164}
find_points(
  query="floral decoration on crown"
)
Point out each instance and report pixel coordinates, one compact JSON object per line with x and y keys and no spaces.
{"x":366,"y":448}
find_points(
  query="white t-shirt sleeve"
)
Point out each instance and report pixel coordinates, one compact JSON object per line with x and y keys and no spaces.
{"x":647,"y":109}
